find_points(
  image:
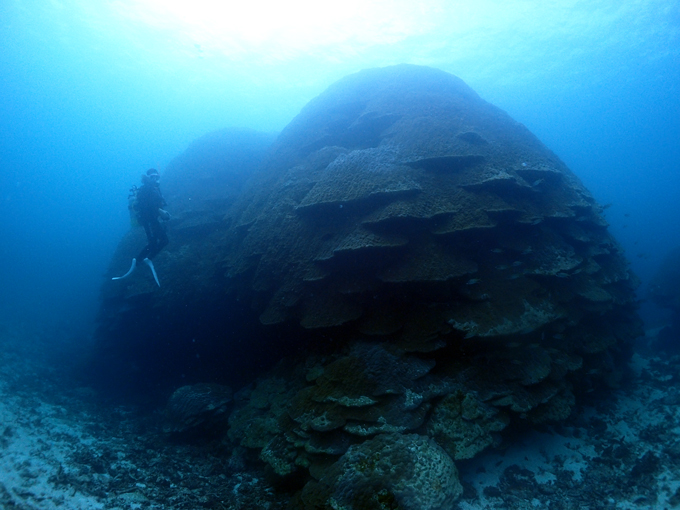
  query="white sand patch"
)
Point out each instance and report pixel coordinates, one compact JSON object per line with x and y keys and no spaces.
{"x":541,"y":453}
{"x":62,"y":448}
{"x":36,"y":441}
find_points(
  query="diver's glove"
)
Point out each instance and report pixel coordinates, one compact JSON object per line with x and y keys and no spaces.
{"x":132,"y":268}
{"x":164,"y":215}
{"x":153,"y":270}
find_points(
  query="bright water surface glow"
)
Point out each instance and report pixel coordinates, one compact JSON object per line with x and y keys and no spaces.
{"x":94,"y":92}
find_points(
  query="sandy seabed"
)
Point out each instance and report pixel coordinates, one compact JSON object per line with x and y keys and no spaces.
{"x":61,"y":447}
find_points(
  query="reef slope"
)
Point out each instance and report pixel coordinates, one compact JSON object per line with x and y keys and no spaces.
{"x":428,"y":272}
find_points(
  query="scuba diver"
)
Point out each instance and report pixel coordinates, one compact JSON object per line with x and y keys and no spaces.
{"x":147,"y":207}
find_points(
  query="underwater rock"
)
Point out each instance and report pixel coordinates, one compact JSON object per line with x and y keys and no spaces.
{"x":401,"y":181}
{"x":464,"y":426}
{"x":474,"y":261}
{"x":198,"y":406}
{"x":397,"y":204}
{"x":299,"y":416}
{"x":427,"y":271}
{"x":389,"y":471}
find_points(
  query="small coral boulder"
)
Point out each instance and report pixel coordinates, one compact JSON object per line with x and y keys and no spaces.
{"x":199,"y":407}
{"x":410,"y":472}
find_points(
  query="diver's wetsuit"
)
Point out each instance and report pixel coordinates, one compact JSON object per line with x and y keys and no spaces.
{"x":149,"y":200}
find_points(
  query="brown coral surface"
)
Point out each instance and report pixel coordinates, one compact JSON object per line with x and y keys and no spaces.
{"x":400,"y":207}
{"x":400,"y":197}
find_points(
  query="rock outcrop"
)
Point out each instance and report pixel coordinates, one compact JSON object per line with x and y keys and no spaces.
{"x":389,"y":471}
{"x":428,"y":271}
{"x":400,"y":204}
{"x":465,"y":269}
{"x":198,"y":409}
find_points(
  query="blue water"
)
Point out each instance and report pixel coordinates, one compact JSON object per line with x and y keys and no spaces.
{"x":94,"y":93}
